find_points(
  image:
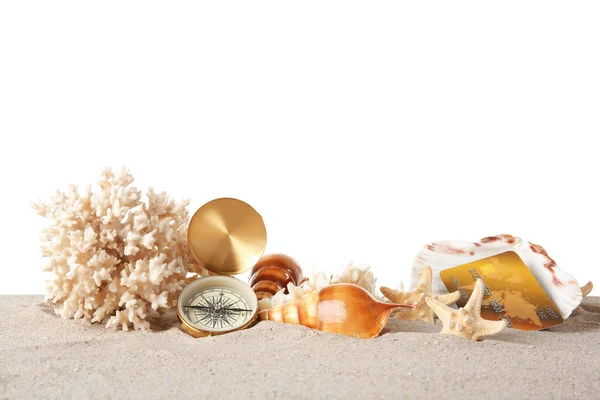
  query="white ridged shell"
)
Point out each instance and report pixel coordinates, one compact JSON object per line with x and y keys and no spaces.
{"x":561,"y":287}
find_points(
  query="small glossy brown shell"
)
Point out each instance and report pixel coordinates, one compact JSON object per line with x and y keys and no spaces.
{"x":343,"y":308}
{"x":267,"y":286}
{"x":279,"y":260}
{"x":262,"y":295}
{"x":272,"y":273}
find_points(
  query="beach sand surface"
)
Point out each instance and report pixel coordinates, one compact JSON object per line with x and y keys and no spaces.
{"x":43,"y":356}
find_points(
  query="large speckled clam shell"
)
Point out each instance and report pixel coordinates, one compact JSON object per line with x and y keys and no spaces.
{"x":562,"y":288}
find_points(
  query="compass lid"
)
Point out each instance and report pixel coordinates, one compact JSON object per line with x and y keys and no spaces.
{"x":227,"y":236}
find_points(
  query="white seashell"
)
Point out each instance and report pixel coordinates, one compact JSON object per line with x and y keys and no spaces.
{"x":561,"y":287}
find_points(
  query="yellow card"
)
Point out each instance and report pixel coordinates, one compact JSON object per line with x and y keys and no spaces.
{"x":512,"y":292}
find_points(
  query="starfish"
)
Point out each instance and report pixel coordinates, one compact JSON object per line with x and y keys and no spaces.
{"x":467,"y":322}
{"x":587,"y":288}
{"x":421,"y":312}
{"x":585,"y":291}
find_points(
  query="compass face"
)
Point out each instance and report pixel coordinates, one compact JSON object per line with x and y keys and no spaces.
{"x":217,"y":304}
{"x":218,"y":308}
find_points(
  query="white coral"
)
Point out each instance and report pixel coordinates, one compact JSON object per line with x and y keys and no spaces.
{"x":360,"y":275}
{"x":317,"y":280}
{"x":112,"y":257}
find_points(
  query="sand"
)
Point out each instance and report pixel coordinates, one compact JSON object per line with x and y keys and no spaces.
{"x":43,"y":356}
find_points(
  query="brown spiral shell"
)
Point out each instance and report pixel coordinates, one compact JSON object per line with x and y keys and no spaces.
{"x":272,"y":273}
{"x":342,"y":308}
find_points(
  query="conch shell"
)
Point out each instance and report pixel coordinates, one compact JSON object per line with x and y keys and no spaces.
{"x":342,"y":308}
{"x":561,"y":287}
{"x":273,"y":273}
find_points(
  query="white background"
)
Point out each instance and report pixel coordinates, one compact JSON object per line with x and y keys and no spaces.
{"x":359,"y":130}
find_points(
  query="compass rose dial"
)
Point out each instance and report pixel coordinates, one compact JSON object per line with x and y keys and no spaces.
{"x":215,"y":305}
{"x":218,"y":308}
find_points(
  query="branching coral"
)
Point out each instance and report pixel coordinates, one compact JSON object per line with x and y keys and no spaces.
{"x":360,"y":275}
{"x":112,"y":257}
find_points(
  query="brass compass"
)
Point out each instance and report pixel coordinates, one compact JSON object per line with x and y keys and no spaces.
{"x":226,"y":236}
